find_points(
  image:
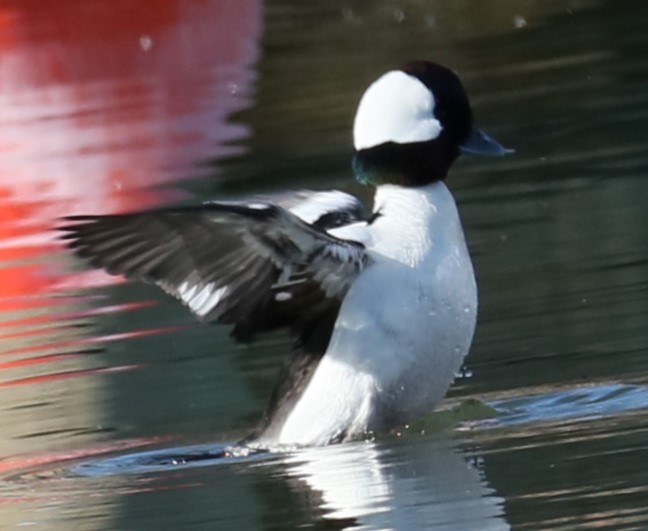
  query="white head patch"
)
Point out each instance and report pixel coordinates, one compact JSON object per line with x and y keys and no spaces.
{"x":397,"y":108}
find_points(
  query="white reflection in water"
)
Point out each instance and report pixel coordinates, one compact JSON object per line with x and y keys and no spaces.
{"x":415,"y":485}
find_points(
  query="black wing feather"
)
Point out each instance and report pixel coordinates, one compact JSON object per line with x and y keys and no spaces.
{"x":256,"y":266}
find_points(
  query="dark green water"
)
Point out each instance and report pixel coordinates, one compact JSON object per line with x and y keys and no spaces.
{"x":559,"y":235}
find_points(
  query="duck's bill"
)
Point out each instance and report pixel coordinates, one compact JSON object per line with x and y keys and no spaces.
{"x":480,"y":143}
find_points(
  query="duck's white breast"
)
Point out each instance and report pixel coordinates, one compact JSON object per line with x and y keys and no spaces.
{"x":404,"y":327}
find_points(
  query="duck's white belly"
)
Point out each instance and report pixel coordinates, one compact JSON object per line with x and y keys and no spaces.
{"x":401,"y":335}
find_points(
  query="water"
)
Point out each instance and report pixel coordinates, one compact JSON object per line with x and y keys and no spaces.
{"x":108,"y":106}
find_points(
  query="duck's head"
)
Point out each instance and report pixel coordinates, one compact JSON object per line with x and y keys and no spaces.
{"x":412,"y":124}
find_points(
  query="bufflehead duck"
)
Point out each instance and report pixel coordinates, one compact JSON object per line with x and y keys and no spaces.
{"x":383,"y":309}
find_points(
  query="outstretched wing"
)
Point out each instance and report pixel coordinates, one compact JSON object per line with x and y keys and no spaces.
{"x":255,"y":265}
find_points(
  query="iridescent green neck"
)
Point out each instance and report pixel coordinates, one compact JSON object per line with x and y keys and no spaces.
{"x":414,"y":164}
{"x":375,"y":175}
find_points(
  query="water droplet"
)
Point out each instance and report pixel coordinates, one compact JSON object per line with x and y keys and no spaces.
{"x":146,"y":43}
{"x":399,"y":15}
{"x":519,"y":22}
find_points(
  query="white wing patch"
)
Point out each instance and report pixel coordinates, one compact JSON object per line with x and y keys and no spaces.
{"x":201,"y":301}
{"x":315,"y":205}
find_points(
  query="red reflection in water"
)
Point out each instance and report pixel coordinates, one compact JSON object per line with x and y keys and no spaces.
{"x":104,"y":104}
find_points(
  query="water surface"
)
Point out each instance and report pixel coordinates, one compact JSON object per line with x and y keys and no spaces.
{"x":106,"y":106}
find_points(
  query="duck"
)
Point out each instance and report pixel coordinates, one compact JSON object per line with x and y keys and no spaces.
{"x":382,"y":307}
